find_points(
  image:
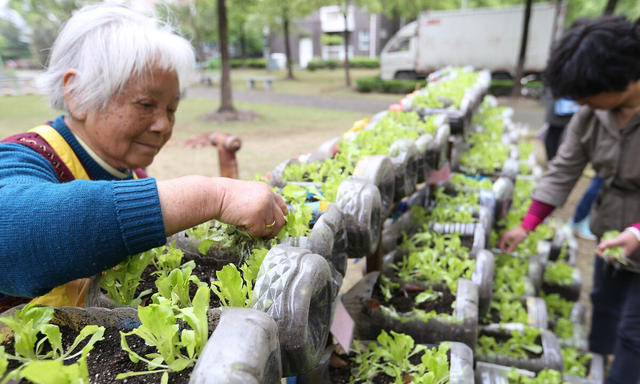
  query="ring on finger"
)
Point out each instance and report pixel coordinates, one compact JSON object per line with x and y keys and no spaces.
{"x":269,"y":226}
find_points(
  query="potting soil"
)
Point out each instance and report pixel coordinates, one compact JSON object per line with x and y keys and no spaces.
{"x":403,"y":299}
{"x":107,"y":359}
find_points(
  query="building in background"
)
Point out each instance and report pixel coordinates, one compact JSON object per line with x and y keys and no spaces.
{"x":321,"y":35}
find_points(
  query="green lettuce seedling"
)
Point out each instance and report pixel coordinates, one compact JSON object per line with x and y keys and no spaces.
{"x":575,"y":363}
{"x":558,"y":273}
{"x":31,"y":331}
{"x":121,"y":282}
{"x":546,"y":376}
{"x":615,"y":253}
{"x":159,"y":329}
{"x":516,"y":347}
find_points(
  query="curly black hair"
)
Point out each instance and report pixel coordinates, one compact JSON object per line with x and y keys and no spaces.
{"x":602,"y":55}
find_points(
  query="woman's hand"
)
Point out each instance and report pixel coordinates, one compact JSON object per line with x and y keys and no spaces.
{"x":627,"y":240}
{"x":192,"y":200}
{"x":254,"y":207}
{"x":510,"y":239}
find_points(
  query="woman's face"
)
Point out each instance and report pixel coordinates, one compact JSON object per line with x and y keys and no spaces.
{"x":136,"y":123}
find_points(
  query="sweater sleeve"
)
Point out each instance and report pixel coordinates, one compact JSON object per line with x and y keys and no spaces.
{"x":52,"y":233}
{"x":538,"y":211}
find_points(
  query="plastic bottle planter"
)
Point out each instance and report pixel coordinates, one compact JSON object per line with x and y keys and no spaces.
{"x":503,"y":192}
{"x":561,"y":237}
{"x":294,"y":288}
{"x":379,"y":171}
{"x":371,"y":321}
{"x":253,"y":359}
{"x":467,"y":232}
{"x":578,"y":339}
{"x":325,"y":151}
{"x":482,"y":275}
{"x":94,"y":296}
{"x":551,"y":356}
{"x":328,"y":238}
{"x":569,"y":292}
{"x":244,"y":348}
{"x":275,"y":180}
{"x":510,"y":169}
{"x":487,"y":373}
{"x":460,"y":366}
{"x":423,"y":143}
{"x":536,"y":313}
{"x":536,"y":271}
{"x":361,"y":205}
{"x":405,"y":158}
{"x":595,"y":375}
{"x":438,"y":151}
{"x":190,"y":246}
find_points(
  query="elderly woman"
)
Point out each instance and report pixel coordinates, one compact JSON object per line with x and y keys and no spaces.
{"x":598,"y":64}
{"x":72,"y":204}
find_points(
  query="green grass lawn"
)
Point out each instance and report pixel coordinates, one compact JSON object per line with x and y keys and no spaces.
{"x":324,"y":82}
{"x":282,"y":133}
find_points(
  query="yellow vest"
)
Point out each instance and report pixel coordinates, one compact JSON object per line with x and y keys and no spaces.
{"x":71,"y":294}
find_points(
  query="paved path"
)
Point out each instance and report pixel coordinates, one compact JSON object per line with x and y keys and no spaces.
{"x":322,"y":102}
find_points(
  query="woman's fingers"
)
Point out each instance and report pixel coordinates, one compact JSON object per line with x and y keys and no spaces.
{"x":282,"y":204}
{"x":278,"y":221}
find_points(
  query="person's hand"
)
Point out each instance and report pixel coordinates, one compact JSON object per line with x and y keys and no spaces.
{"x":510,"y":239}
{"x":254,"y":207}
{"x":627,"y":240}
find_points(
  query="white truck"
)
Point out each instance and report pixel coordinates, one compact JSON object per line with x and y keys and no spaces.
{"x":486,"y":38}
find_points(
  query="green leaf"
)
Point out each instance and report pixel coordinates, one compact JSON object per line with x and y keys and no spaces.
{"x":229,"y":287}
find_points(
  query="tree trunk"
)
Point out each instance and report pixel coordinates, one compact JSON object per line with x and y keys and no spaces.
{"x":611,"y":6}
{"x":287,"y":47}
{"x":226,"y":100}
{"x":523,"y":50}
{"x":243,"y":46}
{"x":346,"y":46}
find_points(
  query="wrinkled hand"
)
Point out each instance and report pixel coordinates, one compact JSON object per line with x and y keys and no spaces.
{"x":627,"y":240}
{"x":510,"y":239}
{"x":253,"y":206}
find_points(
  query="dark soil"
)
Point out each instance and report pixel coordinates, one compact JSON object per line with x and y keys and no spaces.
{"x":107,"y":359}
{"x":493,"y":318}
{"x":205,"y":270}
{"x":404,"y":299}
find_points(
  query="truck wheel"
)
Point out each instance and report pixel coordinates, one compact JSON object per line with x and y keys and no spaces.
{"x":294,"y":288}
{"x":406,"y":75}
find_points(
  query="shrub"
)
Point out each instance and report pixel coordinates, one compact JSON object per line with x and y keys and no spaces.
{"x":364,"y":62}
{"x":368,"y":84}
{"x":332,"y":64}
{"x":258,"y":62}
{"x":332,"y":39}
{"x":374,"y":84}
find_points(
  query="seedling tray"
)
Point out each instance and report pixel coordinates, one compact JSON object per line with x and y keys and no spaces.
{"x":370,"y":321}
{"x":460,"y":366}
{"x":258,"y":354}
{"x":551,"y":356}
{"x":596,"y":372}
{"x":536,"y":314}
{"x":570,"y":292}
{"x":482,"y":275}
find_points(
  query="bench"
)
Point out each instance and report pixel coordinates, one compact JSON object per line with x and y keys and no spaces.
{"x":210,"y":80}
{"x":268,"y":82}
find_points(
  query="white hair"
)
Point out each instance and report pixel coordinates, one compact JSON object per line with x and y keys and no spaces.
{"x":108,"y":46}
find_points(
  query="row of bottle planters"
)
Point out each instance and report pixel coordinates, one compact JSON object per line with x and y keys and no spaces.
{"x":459,"y":118}
{"x":396,"y":174}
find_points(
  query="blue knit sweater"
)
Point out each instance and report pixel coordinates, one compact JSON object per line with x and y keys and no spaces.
{"x":53,"y":233}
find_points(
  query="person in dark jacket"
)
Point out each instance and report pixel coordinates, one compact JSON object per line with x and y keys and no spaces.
{"x":598,"y":65}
